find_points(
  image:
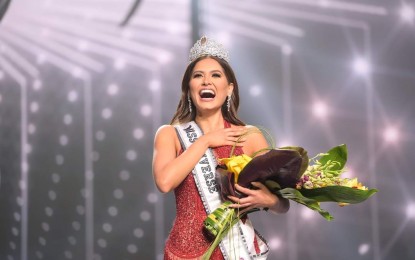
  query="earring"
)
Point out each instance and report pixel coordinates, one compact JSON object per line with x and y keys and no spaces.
{"x":190,"y":103}
{"x":228,"y":103}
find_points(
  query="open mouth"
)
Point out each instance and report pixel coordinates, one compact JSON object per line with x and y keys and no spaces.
{"x":207,"y":93}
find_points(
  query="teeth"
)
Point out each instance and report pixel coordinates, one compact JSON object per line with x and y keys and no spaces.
{"x":207,"y":91}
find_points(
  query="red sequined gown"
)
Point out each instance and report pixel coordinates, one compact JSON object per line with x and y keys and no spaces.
{"x":188,"y":239}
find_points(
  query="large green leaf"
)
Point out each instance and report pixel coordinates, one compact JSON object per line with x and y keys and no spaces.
{"x":295,"y":195}
{"x":338,"y":194}
{"x":337,"y":153}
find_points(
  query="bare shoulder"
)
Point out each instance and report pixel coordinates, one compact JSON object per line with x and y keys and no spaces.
{"x":165,"y":130}
{"x":166,"y":137}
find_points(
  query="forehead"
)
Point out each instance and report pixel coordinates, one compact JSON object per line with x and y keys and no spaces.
{"x":207,"y":64}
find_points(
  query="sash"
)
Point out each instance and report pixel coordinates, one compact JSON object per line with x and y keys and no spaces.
{"x":239,"y":242}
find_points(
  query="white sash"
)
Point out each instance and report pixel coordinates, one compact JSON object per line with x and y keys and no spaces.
{"x":239,"y":242}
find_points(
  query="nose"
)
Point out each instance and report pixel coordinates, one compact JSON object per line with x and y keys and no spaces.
{"x":206,"y":81}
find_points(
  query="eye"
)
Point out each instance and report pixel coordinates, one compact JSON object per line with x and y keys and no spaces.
{"x":216,"y":75}
{"x":197,"y":75}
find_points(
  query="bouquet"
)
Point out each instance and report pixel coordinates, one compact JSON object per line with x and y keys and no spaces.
{"x":288,"y":173}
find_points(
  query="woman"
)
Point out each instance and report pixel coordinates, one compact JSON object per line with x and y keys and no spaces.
{"x":206,"y":126}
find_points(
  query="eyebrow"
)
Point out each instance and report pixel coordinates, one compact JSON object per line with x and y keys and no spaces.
{"x":212,"y":71}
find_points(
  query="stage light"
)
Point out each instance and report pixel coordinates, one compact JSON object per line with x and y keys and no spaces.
{"x":152,"y":197}
{"x":132,"y":249}
{"x":125,"y":175}
{"x":112,"y":89}
{"x":34,"y":107}
{"x":320,"y":110}
{"x":349,"y":173}
{"x":255,"y":91}
{"x":284,"y":143}
{"x":67,"y":119}
{"x":131,"y":155}
{"x":391,"y":135}
{"x":113,"y":211}
{"x":407,"y":14}
{"x":410,"y":211}
{"x":287,"y":49}
{"x":307,"y":213}
{"x":138,"y":133}
{"x":164,"y":57}
{"x":154,"y":85}
{"x":274,"y":243}
{"x":138,"y":232}
{"x":37,"y":84}
{"x":119,"y":64}
{"x":361,"y":66}
{"x":63,"y":140}
{"x":364,"y":249}
{"x":106,"y":113}
{"x":77,"y":72}
{"x":146,"y":110}
{"x":145,"y":215}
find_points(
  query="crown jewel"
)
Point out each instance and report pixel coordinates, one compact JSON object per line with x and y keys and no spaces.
{"x":206,"y":46}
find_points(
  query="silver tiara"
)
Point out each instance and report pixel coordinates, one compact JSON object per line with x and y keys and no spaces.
{"x":206,"y":46}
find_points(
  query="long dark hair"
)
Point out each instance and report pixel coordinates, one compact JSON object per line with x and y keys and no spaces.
{"x":183,"y":114}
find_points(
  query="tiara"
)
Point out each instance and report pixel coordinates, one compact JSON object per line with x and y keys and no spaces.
{"x":206,"y":46}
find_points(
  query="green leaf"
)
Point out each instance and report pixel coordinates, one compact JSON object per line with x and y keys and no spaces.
{"x":295,"y":195}
{"x":337,"y":153}
{"x":338,"y":194}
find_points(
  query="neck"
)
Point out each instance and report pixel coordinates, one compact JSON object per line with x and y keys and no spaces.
{"x":210,"y":123}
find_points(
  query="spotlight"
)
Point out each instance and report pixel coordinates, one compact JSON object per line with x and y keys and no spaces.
{"x":112,"y":89}
{"x":119,"y":64}
{"x":255,"y":91}
{"x":154,"y":85}
{"x":364,"y":249}
{"x":407,"y":13}
{"x":410,"y":211}
{"x":391,"y":135}
{"x":320,"y":110}
{"x":361,"y":66}
{"x":287,"y":50}
{"x":307,"y":213}
{"x":275,"y":243}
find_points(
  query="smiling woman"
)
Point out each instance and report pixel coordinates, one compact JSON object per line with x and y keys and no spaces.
{"x":203,"y":130}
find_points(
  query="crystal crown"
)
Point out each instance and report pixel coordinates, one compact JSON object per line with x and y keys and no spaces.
{"x":206,"y":46}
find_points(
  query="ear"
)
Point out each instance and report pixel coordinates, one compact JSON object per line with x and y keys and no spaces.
{"x":230,"y":89}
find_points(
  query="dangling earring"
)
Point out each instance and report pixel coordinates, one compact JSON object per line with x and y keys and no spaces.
{"x":190,"y":103}
{"x":228,"y":103}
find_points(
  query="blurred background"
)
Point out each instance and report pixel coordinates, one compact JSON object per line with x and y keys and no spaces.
{"x":84,"y":85}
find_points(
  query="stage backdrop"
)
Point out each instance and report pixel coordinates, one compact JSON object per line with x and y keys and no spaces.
{"x":84,"y":85}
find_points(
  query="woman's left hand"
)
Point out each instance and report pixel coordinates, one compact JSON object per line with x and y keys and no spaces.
{"x":256,"y":198}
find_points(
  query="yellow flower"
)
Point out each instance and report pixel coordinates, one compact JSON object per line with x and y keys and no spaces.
{"x":353,"y":183}
{"x":235,"y":164}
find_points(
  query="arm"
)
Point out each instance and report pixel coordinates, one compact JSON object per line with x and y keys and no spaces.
{"x":169,"y":170}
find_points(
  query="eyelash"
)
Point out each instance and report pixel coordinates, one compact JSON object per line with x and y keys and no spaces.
{"x":216,"y":75}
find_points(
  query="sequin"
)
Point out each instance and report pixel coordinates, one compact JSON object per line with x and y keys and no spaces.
{"x":188,"y":239}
